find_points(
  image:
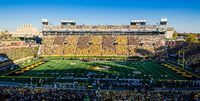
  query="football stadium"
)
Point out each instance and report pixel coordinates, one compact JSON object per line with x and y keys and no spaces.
{"x":119,"y":59}
{"x":88,"y":54}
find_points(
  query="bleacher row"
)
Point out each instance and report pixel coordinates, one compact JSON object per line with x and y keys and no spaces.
{"x":100,"y":45}
{"x":18,"y":52}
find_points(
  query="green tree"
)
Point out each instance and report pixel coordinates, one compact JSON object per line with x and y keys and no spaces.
{"x":192,"y":38}
{"x":175,"y":35}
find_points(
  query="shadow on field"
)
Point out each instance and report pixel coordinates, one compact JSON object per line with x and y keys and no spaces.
{"x":144,"y":52}
{"x":6,"y":64}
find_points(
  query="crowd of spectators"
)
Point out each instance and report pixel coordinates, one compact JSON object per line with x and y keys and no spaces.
{"x":18,"y":52}
{"x":100,"y":45}
{"x":50,"y":94}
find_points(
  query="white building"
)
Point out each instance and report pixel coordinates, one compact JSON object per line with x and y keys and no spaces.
{"x":26,"y":30}
{"x":169,"y":32}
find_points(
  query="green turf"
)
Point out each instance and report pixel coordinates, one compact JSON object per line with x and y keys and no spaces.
{"x":117,"y":69}
{"x":64,"y":70}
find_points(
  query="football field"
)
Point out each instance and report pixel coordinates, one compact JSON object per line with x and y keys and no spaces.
{"x":72,"y":70}
{"x":103,"y":69}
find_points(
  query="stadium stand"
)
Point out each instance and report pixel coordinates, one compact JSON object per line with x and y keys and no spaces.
{"x":189,"y":49}
{"x":96,"y":45}
{"x":70,"y":47}
{"x":83,"y":45}
{"x":23,"y":93}
{"x":100,"y":45}
{"x":19,"y":52}
{"x":108,"y":45}
{"x":102,"y":40}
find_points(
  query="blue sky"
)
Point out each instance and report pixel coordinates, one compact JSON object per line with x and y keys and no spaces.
{"x":184,"y":15}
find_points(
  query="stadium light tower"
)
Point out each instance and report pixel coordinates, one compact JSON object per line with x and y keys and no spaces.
{"x":45,"y":22}
{"x":68,"y":22}
{"x":163,"y":21}
{"x":138,"y":22}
